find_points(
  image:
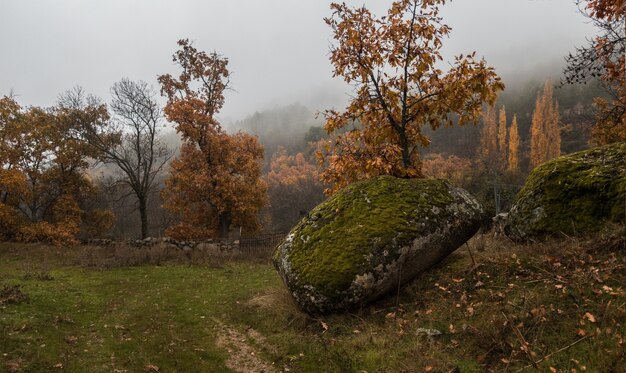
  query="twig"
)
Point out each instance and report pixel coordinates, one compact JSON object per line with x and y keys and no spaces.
{"x":566,"y":236}
{"x":399,"y":284}
{"x":508,"y":361}
{"x":471,"y":256}
{"x":557,"y":351}
{"x":525,"y":344}
{"x":533,"y":281}
{"x":554,"y":276}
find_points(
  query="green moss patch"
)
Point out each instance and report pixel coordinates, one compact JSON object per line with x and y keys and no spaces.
{"x":572,"y":194}
{"x":363,"y":224}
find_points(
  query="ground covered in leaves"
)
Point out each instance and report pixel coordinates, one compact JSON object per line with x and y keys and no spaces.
{"x":557,"y":306}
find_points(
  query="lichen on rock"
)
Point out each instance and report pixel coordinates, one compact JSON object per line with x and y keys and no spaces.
{"x":366,"y":239}
{"x":572,"y":194}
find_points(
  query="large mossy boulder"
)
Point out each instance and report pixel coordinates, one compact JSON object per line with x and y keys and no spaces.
{"x":572,"y":194}
{"x":371,"y":237}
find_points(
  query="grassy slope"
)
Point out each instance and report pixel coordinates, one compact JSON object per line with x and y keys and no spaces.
{"x":520,"y":305}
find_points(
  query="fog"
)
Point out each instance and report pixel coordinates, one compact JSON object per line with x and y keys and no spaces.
{"x":278,"y":49}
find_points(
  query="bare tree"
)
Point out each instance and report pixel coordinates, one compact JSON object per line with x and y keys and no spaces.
{"x":130,"y":139}
{"x":139,"y":155}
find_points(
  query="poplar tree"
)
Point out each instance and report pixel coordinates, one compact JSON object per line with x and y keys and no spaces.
{"x":513,"y":156}
{"x":489,"y":137}
{"x":502,"y":145}
{"x":545,"y":135}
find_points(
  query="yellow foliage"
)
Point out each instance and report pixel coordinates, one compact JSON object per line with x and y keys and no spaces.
{"x":513,"y":161}
{"x":545,"y":130}
{"x":489,"y":137}
{"x":502,"y":140}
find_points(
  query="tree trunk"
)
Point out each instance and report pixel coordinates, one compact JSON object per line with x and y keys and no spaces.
{"x":406,"y":155}
{"x":224,"y":224}
{"x":144,"y":217}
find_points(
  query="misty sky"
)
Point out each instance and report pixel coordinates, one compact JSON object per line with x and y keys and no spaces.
{"x":278,"y":49}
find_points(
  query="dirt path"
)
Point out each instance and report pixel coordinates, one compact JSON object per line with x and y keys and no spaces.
{"x":242,"y":357}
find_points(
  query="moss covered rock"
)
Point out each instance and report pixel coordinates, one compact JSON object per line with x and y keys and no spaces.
{"x":364,"y":241}
{"x":572,"y":194}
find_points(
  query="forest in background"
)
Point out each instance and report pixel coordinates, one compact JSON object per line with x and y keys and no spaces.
{"x":93,"y":167}
{"x":288,"y":131}
{"x":290,"y":136}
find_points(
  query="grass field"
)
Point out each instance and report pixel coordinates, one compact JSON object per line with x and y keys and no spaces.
{"x":559,"y":305}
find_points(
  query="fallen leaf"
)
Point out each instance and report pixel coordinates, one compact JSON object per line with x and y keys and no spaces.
{"x":12,"y":366}
{"x":324,"y":325}
{"x":590,"y":317}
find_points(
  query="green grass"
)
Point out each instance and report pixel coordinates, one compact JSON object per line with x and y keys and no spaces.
{"x":124,"y":318}
{"x":559,"y":304}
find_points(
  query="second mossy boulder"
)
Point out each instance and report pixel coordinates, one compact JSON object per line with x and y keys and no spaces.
{"x":573,"y":194}
{"x":371,"y":237}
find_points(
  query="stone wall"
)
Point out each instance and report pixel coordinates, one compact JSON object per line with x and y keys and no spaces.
{"x":208,"y":244}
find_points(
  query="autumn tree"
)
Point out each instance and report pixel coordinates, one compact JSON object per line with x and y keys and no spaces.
{"x":294,"y":188}
{"x":604,"y":58}
{"x":216,"y":181}
{"x":514,"y":145}
{"x":129,"y":140}
{"x":449,"y":167}
{"x":488,"y":151}
{"x":393,"y":64}
{"x":12,"y":181}
{"x":502,"y":140}
{"x":44,"y":182}
{"x":545,"y":130}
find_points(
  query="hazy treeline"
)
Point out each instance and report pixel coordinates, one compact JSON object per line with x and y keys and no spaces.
{"x":294,"y":127}
{"x":291,"y":136}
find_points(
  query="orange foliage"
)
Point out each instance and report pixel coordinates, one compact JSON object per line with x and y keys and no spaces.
{"x":292,"y":171}
{"x":610,"y":123}
{"x":604,"y":58}
{"x":489,"y":138}
{"x":502,"y":140}
{"x":97,"y":222}
{"x":294,"y":188}
{"x":216,"y":181}
{"x":42,"y":231}
{"x":393,"y":63}
{"x":513,"y":160}
{"x":451,"y":167}
{"x":202,"y":193}
{"x":607,"y":9}
{"x":41,"y":174}
{"x":545,"y":130}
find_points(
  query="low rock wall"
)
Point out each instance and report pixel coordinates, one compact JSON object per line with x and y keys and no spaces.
{"x":208,"y":244}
